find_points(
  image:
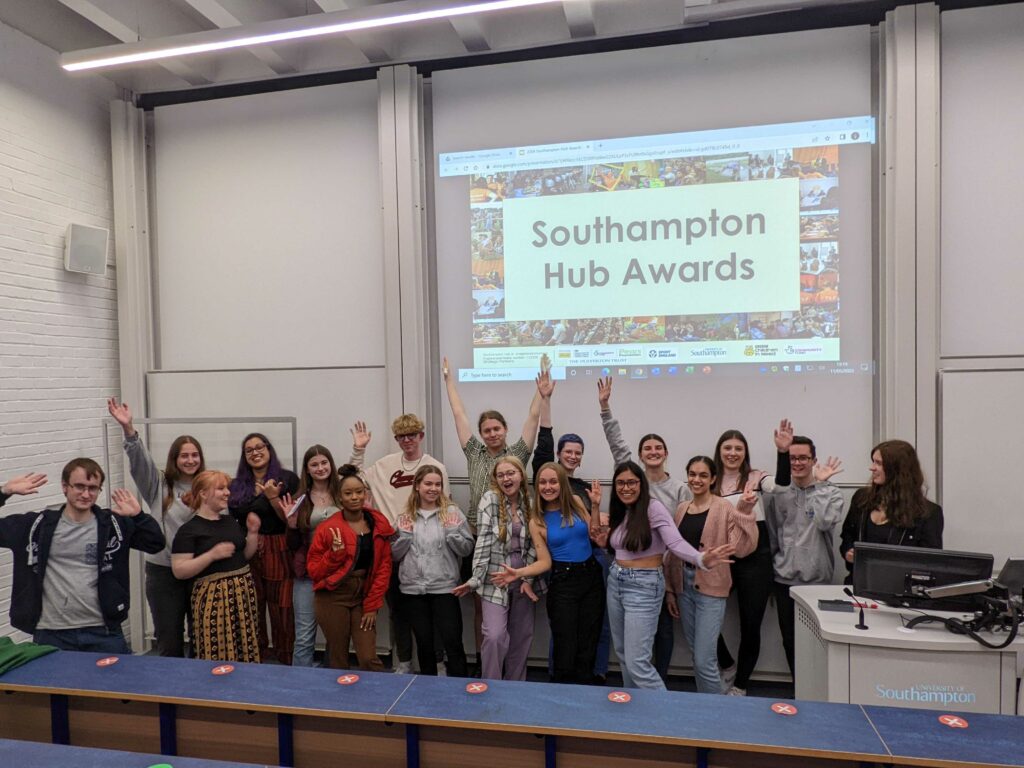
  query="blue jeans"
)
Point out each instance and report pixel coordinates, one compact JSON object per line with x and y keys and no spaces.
{"x":635,"y":596}
{"x":98,"y":639}
{"x":702,"y":616}
{"x":305,"y":623}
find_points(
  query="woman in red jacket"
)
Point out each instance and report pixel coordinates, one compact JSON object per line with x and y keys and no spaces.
{"x":349,"y":561}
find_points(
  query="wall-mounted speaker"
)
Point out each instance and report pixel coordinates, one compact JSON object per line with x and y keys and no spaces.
{"x":85,"y":249}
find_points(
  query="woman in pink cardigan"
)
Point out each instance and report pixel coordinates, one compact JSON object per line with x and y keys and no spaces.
{"x":698,"y":597}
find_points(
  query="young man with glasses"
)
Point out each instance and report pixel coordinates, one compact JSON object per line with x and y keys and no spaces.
{"x":801,"y":518}
{"x":389,"y":481}
{"x":71,"y":579}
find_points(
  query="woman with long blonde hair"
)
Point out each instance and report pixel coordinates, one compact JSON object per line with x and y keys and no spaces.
{"x":432,"y":535}
{"x":503,"y":537}
{"x":213,"y":551}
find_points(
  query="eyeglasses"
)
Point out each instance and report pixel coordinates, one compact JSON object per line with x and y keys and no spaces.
{"x":254,"y":449}
{"x":506,"y":475}
{"x":627,"y":483}
{"x":83,"y":488}
{"x":409,"y":436}
{"x":800,"y":459}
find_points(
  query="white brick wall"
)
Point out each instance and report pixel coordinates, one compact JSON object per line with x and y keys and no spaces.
{"x":58,"y":330}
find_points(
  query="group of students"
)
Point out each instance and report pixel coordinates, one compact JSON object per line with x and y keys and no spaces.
{"x":330,"y":546}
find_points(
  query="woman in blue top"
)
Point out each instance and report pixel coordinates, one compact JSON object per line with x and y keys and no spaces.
{"x":559,"y":528}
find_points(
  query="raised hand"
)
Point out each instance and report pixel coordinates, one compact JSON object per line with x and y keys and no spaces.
{"x":445,"y":370}
{"x":222,"y":551}
{"x":718,"y":555}
{"x":462,"y":590}
{"x":288,"y":507}
{"x":784,"y":435}
{"x":527,"y":590}
{"x":125,"y":505}
{"x":595,"y":492}
{"x":405,"y":523}
{"x":545,"y":384}
{"x":252,"y":523}
{"x":450,"y":519}
{"x":505,"y":576}
{"x":271,"y":489}
{"x":823,"y":472}
{"x":360,"y":436}
{"x":337,"y":541}
{"x":604,"y":392}
{"x":545,"y":363}
{"x":122,"y":415}
{"x":24,"y":485}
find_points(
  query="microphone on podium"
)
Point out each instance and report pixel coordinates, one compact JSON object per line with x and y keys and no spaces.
{"x":860,"y":603}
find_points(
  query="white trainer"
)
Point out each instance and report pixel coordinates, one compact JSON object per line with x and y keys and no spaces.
{"x":728,"y":676}
{"x":734,"y":691}
{"x":442,"y":671}
{"x":403,"y":668}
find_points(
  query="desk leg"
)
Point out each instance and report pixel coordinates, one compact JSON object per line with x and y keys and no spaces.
{"x":702,"y":757}
{"x":412,"y":746}
{"x":285,"y":740}
{"x":60,"y":727}
{"x":168,"y":729}
{"x":550,"y":748}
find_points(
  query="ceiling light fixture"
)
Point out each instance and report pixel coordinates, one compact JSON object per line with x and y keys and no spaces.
{"x":280,"y":31}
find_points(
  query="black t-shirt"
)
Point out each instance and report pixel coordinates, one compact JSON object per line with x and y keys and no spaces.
{"x":691,"y":528}
{"x":270,"y":523}
{"x":200,"y":535}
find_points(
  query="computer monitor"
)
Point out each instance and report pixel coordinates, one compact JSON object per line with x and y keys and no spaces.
{"x":894,"y":574}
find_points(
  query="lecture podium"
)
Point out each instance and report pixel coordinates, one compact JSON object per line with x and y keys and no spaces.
{"x":927,"y":667}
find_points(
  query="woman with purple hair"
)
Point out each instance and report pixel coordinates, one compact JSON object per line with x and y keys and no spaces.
{"x":258,"y":487}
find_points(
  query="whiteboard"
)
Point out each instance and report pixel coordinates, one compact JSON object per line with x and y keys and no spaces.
{"x":325,"y":403}
{"x":981,"y":423}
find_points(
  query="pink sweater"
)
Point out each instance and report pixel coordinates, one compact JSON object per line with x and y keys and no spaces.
{"x":725,"y":525}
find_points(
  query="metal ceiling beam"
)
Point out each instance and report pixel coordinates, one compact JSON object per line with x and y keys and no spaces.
{"x":126,"y":34}
{"x":223,"y":18}
{"x":373,"y":53}
{"x":471,"y":33}
{"x":579,"y":14}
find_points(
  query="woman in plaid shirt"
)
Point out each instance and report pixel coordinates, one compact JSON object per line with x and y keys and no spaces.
{"x":503,"y":537}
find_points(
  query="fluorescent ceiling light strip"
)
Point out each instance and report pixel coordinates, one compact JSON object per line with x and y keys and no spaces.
{"x":330,"y":29}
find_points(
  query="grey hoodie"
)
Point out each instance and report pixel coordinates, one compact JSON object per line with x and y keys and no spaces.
{"x":429,"y":554}
{"x":151,"y":485}
{"x":800,"y":524}
{"x":671,"y":491}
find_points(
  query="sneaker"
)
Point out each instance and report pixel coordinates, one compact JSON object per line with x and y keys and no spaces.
{"x":728,"y":676}
{"x":734,"y":691}
{"x":442,"y":671}
{"x":403,"y":668}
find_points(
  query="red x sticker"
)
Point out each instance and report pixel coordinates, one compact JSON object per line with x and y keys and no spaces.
{"x":619,"y":697}
{"x":476,"y":687}
{"x":953,"y":721}
{"x":223,"y":669}
{"x":107,"y":661}
{"x":348,"y":679}
{"x":781,"y":708}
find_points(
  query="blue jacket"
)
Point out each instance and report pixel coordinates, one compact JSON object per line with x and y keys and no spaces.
{"x":29,"y":536}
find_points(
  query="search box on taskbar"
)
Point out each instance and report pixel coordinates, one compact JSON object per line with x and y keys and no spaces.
{"x":506,"y":374}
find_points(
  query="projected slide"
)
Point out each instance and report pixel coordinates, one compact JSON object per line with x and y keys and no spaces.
{"x":670,"y":251}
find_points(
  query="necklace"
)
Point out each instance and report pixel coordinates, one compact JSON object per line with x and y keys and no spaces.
{"x":410,"y":470}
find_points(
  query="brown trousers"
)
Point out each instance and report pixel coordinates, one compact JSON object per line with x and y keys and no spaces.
{"x":339,"y":613}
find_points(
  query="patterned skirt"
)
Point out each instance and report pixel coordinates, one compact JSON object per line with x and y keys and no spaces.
{"x":225,"y":617}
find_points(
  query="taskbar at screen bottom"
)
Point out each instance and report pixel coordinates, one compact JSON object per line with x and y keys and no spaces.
{"x":561,"y":373}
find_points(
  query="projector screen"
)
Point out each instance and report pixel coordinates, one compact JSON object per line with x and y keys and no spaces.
{"x":687,"y":219}
{"x":645,"y":256}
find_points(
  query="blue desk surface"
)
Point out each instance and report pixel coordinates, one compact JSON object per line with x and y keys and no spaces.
{"x":185,"y":681}
{"x":917,"y":735}
{"x":31,"y":754}
{"x":650,"y":716}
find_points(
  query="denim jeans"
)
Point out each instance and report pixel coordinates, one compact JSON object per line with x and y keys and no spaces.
{"x":305,"y":622}
{"x":702,"y":616}
{"x":97,"y":639}
{"x":635,"y":596}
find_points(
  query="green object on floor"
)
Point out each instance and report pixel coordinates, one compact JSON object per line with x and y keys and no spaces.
{"x":13,"y":655}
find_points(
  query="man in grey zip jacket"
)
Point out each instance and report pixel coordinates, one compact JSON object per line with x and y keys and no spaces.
{"x":801,"y":520}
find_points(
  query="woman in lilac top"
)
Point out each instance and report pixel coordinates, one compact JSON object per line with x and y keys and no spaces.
{"x":640,"y":531}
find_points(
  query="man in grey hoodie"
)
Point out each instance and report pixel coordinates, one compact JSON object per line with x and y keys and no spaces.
{"x":801,"y":519}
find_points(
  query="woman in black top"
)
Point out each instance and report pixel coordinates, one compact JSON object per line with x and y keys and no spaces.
{"x":258,"y":485}
{"x":892,"y":508}
{"x":211,"y":549}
